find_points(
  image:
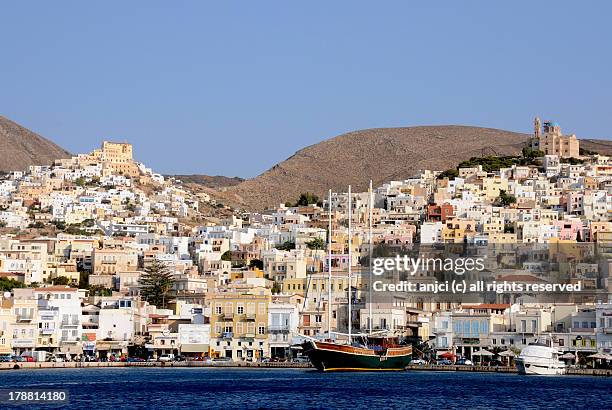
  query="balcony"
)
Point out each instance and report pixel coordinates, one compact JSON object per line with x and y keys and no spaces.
{"x":227,"y":335}
{"x":250,"y":316}
{"x":70,"y":324}
{"x":248,"y":336}
{"x":227,"y":316}
{"x":278,"y":329}
{"x":24,"y":318}
{"x":47,"y":331}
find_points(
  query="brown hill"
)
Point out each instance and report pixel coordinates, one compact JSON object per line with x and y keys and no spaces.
{"x":210,"y":181}
{"x":380,"y":154}
{"x":20,"y":147}
{"x":603,"y":147}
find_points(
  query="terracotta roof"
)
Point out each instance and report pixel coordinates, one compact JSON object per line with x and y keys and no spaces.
{"x":57,"y":288}
{"x":488,"y":306}
{"x":6,"y":274}
{"x":520,"y":278}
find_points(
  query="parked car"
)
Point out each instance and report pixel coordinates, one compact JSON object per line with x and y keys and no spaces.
{"x":301,"y":359}
{"x":464,"y":362}
{"x":165,"y":358}
{"x":18,"y":358}
{"x":419,"y":362}
{"x":222,"y":359}
{"x":135,"y":360}
{"x":445,"y":362}
{"x":494,"y":363}
{"x":5,"y":359}
{"x":180,"y":358}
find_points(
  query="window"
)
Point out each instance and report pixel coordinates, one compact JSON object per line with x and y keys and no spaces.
{"x":251,"y":308}
{"x":262,"y":308}
{"x":261,"y":329}
{"x":229,"y":308}
{"x":218,"y":309}
{"x":240,"y":309}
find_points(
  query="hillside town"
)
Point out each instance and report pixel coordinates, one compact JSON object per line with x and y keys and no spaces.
{"x":101,"y":258}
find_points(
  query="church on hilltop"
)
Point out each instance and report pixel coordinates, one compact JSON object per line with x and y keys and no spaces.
{"x":547,"y":138}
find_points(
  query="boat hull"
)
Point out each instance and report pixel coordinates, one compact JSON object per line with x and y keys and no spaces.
{"x":527,"y":367}
{"x":329,"y":357}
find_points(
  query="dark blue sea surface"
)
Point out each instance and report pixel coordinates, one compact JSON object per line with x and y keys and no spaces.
{"x":141,"y":388}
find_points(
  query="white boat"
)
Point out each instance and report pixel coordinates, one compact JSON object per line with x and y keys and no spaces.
{"x":540,"y":359}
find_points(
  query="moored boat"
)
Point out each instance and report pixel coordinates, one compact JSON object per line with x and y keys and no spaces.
{"x":332,"y":356}
{"x":540,"y":359}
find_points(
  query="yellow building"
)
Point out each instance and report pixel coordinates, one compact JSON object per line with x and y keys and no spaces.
{"x":7,"y":318}
{"x":116,"y":157}
{"x":455,"y":230}
{"x":109,"y":261}
{"x":239,"y":324}
{"x":491,"y":187}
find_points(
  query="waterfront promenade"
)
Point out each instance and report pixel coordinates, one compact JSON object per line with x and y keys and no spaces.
{"x":192,"y":364}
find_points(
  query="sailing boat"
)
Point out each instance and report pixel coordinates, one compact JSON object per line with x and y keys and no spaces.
{"x":376,"y":352}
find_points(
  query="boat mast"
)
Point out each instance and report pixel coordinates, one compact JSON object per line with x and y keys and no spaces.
{"x":329,"y":268}
{"x":350,"y":214}
{"x":370,"y":205}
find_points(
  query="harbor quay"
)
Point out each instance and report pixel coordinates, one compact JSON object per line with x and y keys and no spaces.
{"x":287,"y":365}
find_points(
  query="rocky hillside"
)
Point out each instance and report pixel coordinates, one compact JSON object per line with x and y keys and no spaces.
{"x":380,"y":154}
{"x":603,"y":147}
{"x":210,"y":181}
{"x":20,"y":147}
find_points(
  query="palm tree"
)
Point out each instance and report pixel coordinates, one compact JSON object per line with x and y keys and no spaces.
{"x":156,"y":284}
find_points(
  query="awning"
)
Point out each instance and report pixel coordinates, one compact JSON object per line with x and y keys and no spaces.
{"x":507,"y":353}
{"x":194,"y":348}
{"x":448,"y":355}
{"x":601,"y":356}
{"x":482,"y":352}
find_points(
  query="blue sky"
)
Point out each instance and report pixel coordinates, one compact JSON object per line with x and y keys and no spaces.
{"x":233,"y":87}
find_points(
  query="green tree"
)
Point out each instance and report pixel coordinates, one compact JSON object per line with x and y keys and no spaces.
{"x":286,"y":246}
{"x":449,"y":173}
{"x":307,"y":198}
{"x":530,"y":153}
{"x":505,"y":199}
{"x":316,"y":244}
{"x":7,"y":284}
{"x":227,"y":256}
{"x":97,"y":290}
{"x":256,"y":263}
{"x":83,"y":280}
{"x":80,"y":181}
{"x":61,"y":280}
{"x":276,"y":288}
{"x":156,"y":284}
